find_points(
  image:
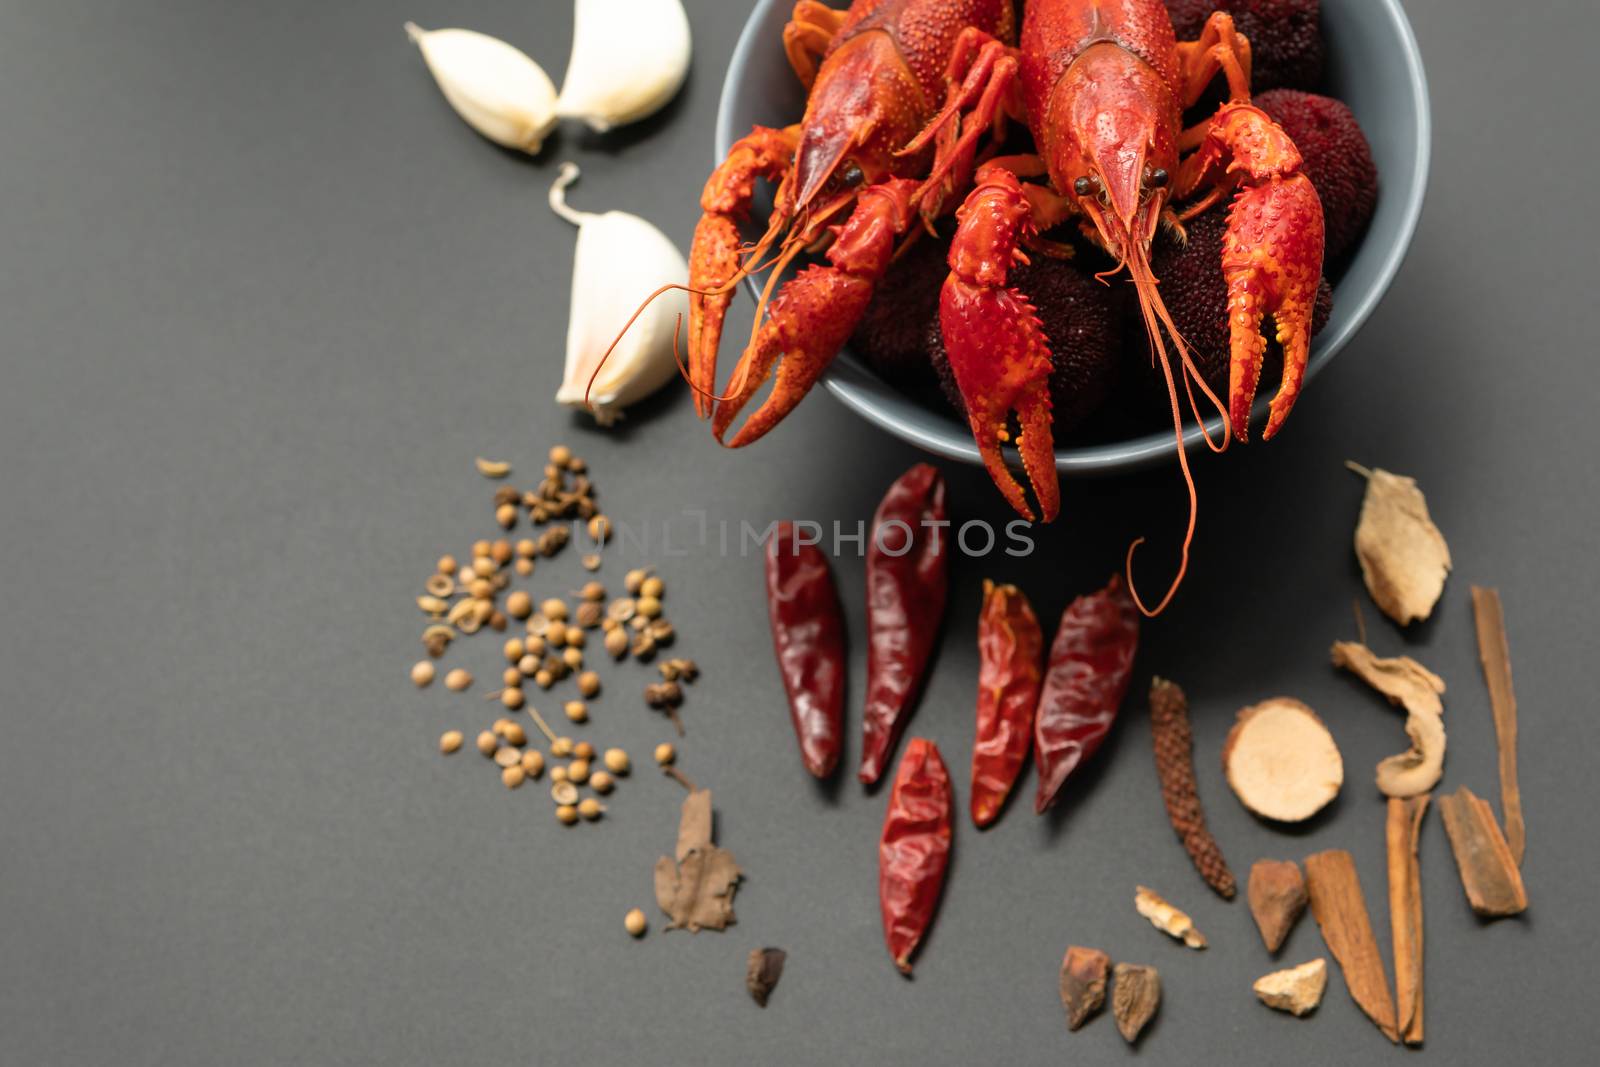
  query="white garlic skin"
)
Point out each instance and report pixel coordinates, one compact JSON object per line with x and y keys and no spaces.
{"x":496,"y":88}
{"x":629,"y":57}
{"x":620,"y":260}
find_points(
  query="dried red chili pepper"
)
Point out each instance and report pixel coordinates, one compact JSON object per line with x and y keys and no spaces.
{"x":808,"y":634}
{"x":907,"y":565}
{"x":1009,"y":649}
{"x":1091,"y":662}
{"x":914,"y":850}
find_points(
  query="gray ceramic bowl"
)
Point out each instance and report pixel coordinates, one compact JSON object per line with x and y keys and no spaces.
{"x":1373,"y":66}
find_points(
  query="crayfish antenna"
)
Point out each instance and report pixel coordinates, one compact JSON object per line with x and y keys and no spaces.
{"x":1155,"y":317}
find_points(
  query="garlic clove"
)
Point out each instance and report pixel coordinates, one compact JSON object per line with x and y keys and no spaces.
{"x":629,"y":57}
{"x":496,"y":88}
{"x":620,"y":260}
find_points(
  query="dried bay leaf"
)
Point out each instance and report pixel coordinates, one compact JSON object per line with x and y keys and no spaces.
{"x":1404,"y":558}
{"x":697,"y":891}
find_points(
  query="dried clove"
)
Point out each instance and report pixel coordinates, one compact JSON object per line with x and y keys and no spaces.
{"x":1083,"y":983}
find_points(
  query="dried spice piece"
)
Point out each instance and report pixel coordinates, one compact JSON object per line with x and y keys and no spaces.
{"x":1296,"y":990}
{"x":1412,"y":686}
{"x":1488,"y":871}
{"x":1083,"y":983}
{"x":1403,"y":556}
{"x":1496,"y":657}
{"x":1167,"y":918}
{"x":492,"y":468}
{"x":914,"y":849}
{"x":697,"y":891}
{"x":1134,"y":998}
{"x":1401,"y":831}
{"x":808,"y":636}
{"x":1174,"y":748}
{"x":1281,"y":761}
{"x":1091,"y":663}
{"x":1010,"y":646}
{"x":762,"y":971}
{"x":1341,"y":913}
{"x":907,"y":573}
{"x":1277,"y":899}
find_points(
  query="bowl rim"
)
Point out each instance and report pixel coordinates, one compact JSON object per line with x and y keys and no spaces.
{"x":859,"y":389}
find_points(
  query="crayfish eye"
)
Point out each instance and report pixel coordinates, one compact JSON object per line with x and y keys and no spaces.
{"x":1158,"y":178}
{"x":1083,"y":186}
{"x":851,"y":176}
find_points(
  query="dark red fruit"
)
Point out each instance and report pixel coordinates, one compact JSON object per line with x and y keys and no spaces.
{"x":893,"y":333}
{"x":1082,"y":320}
{"x":1337,"y":159}
{"x":1285,"y":37}
{"x":1193,"y":289}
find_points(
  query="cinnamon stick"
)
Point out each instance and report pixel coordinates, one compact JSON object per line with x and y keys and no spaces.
{"x":1341,"y":913}
{"x":1488,"y":873}
{"x":1496,"y":657}
{"x":1403,"y":828}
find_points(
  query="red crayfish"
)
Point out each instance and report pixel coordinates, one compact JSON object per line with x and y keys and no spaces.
{"x":1103,"y":85}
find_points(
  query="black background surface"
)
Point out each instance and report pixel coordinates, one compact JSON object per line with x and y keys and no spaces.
{"x":265,"y":298}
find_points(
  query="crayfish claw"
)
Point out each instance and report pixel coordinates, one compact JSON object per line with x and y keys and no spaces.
{"x":1272,"y":261}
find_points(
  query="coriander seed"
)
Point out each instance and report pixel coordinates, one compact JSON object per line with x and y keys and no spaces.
{"x":523,"y":567}
{"x":588,"y":683}
{"x":591,"y":561}
{"x":665,"y":753}
{"x":560,"y":456}
{"x":583,"y":750}
{"x":514,"y":649}
{"x":457,"y":680}
{"x":543,"y":678}
{"x":576,"y":638}
{"x":514,"y":776}
{"x":558,"y":774}
{"x":511,"y":677}
{"x":561,"y":747}
{"x":483,"y":566}
{"x":564,"y":792}
{"x":519,"y":605}
{"x":573,"y":658}
{"x":528,"y":665}
{"x":440,"y":584}
{"x":601,"y":782}
{"x":566,"y":814}
{"x":450,"y":741}
{"x":480,"y":588}
{"x":600,"y":529}
{"x":589,"y":614}
{"x":500,"y":551}
{"x":635,"y":923}
{"x":422,"y":674}
{"x":577,"y":711}
{"x":506,"y":515}
{"x":514,"y":733}
{"x":507,"y":756}
{"x":590,"y":808}
{"x":526,"y":548}
{"x":532,"y":762}
{"x":633,"y":581}
{"x":652,"y":587}
{"x":554,"y":609}
{"x":480,"y":549}
{"x":487,"y":743}
{"x":648,"y":606}
{"x":616,"y":761}
{"x":497,"y":621}
{"x":511,"y":696}
{"x":578,"y":771}
{"x":446,"y":564}
{"x":617,"y":642}
{"x":556,"y":634}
